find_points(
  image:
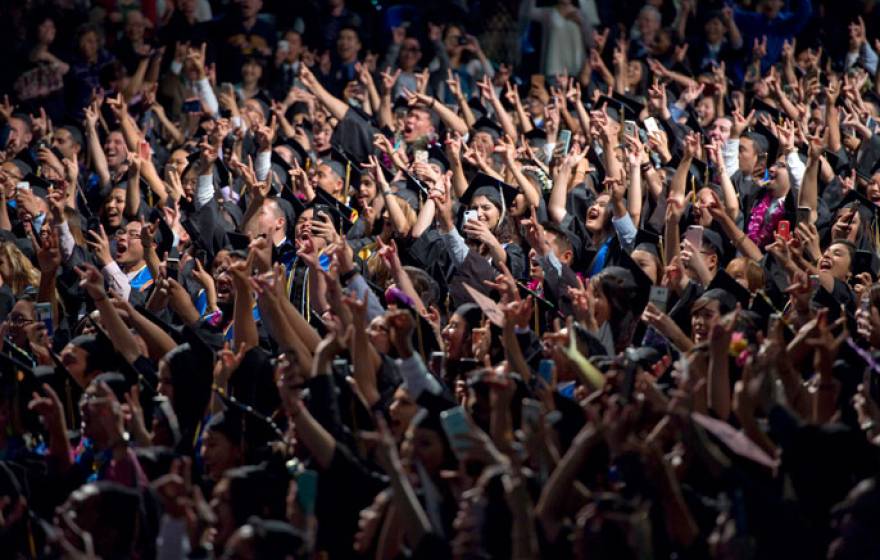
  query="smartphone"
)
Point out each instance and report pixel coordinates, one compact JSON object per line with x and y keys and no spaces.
{"x":421,"y":156}
{"x":783,"y":229}
{"x":659,"y":296}
{"x":565,"y":140}
{"x":628,"y":382}
{"x":470,"y":215}
{"x":651,"y":125}
{"x":630,"y":128}
{"x":43,"y":312}
{"x":545,"y":370}
{"x":694,"y":234}
{"x":307,"y":490}
{"x":436,"y":364}
{"x":804,"y":214}
{"x":454,"y":422}
{"x":324,"y":261}
{"x":22,"y":186}
{"x":814,"y":283}
{"x":862,"y":262}
{"x":283,"y":46}
{"x":172,"y":267}
{"x":463,"y":40}
{"x":192,"y":106}
{"x":531,"y":412}
{"x":93,"y":223}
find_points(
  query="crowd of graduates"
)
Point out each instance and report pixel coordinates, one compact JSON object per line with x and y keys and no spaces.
{"x":498,"y":279}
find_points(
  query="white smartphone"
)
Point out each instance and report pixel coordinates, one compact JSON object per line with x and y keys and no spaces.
{"x":630,"y":128}
{"x":470,"y":215}
{"x":565,"y":140}
{"x":421,"y":156}
{"x":659,"y":296}
{"x":455,"y":423}
{"x":651,"y":125}
{"x":694,"y":234}
{"x":22,"y":186}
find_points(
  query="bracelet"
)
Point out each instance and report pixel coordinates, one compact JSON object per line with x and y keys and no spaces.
{"x":387,"y":192}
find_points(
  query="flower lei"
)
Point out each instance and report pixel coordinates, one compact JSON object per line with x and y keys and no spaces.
{"x":760,"y":230}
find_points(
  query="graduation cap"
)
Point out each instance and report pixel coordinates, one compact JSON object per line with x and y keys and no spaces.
{"x":724,"y":281}
{"x":868,"y":212}
{"x":536,"y":137}
{"x":489,"y":126}
{"x":760,"y":106}
{"x":635,"y":278}
{"x":617,"y":109}
{"x":237,"y":241}
{"x":648,"y":242}
{"x":477,"y":107}
{"x":343,"y":216}
{"x":500,"y":193}
{"x":39,"y":185}
{"x":839,"y":163}
{"x":632,"y":106}
{"x":299,"y":152}
{"x":437,"y":156}
{"x":164,"y":237}
{"x":348,"y":169}
{"x":712,"y":239}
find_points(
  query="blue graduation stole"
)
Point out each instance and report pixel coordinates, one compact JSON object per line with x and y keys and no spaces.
{"x":142,"y":280}
{"x":601,"y":257}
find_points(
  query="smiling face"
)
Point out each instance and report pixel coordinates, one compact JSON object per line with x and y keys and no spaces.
{"x":251,"y":72}
{"x":219,"y":454}
{"x":327,"y":180}
{"x":455,"y":337}
{"x":410,"y":54}
{"x":348,"y":45}
{"x":401,"y":412}
{"x":703,"y":319}
{"x":837,"y":260}
{"x":222,"y":278}
{"x":115,"y":150}
{"x":487,"y":212}
{"x":720,"y":129}
{"x":113,"y":208}
{"x":597,"y":213}
{"x":416,"y":125}
{"x":129,"y":248}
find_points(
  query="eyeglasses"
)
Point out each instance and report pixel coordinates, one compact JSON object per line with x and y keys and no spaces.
{"x":20,"y":320}
{"x":120,"y":233}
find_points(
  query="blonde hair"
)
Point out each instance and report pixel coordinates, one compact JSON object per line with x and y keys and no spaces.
{"x":24,"y":273}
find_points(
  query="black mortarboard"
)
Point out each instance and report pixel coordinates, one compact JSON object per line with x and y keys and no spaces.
{"x":536,"y":137}
{"x":614,"y":108}
{"x":343,"y":216}
{"x":39,"y":185}
{"x":641,"y":283}
{"x":713,"y":240}
{"x":496,"y":190}
{"x":299,"y":152}
{"x":866,"y":261}
{"x":838,"y":162}
{"x":163,"y":237}
{"x":348,"y":169}
{"x":772,"y":142}
{"x":633,"y":107}
{"x":411,"y":190}
{"x":437,"y":156}
{"x":545,"y":306}
{"x":648,"y":242}
{"x":400,"y":103}
{"x":868,"y":212}
{"x":760,"y":106}
{"x":724,"y":281}
{"x":726,"y":300}
{"x":477,"y":107}
{"x":237,"y":241}
{"x":489,"y":126}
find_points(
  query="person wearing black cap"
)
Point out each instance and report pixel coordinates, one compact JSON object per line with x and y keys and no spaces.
{"x":222,"y":443}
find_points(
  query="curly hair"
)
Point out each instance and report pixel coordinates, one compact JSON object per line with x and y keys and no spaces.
{"x":23,"y":273}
